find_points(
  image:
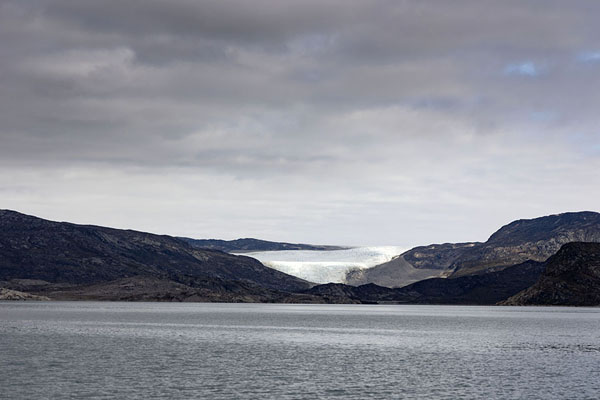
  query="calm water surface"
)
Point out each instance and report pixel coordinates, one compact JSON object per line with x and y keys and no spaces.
{"x":255,"y":351}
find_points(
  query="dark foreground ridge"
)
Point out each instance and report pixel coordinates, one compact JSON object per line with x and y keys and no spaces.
{"x":571,"y":277}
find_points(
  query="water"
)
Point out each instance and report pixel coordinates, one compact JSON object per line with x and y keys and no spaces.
{"x":254,"y":351}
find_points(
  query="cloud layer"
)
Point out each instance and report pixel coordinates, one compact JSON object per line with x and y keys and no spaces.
{"x":338,"y":122}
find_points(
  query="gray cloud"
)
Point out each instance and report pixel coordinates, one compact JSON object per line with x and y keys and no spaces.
{"x":325,"y":121}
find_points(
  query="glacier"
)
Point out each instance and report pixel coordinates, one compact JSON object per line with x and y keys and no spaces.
{"x":329,"y":266}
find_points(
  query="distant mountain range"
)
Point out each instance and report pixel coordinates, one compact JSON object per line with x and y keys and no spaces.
{"x":547,"y":260}
{"x":526,"y":239}
{"x":250,"y":244}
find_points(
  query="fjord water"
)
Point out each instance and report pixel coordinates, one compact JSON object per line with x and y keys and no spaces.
{"x":226,"y":351}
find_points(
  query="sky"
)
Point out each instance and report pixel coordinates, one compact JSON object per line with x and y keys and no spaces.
{"x":333,"y":122}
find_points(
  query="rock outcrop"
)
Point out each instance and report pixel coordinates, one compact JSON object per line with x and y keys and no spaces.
{"x":8,"y":294}
{"x":571,"y":277}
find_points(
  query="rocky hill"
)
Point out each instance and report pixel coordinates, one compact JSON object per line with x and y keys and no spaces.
{"x":527,"y":239}
{"x":419,"y":263}
{"x":482,"y":289}
{"x":249,"y":244}
{"x":571,"y":277}
{"x":73,"y":255}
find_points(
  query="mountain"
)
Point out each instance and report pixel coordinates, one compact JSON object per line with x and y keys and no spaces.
{"x":42,"y":259}
{"x":71,"y":255}
{"x":483,"y":289}
{"x":249,"y":244}
{"x":526,"y":239}
{"x":414,"y":265}
{"x":571,"y":277}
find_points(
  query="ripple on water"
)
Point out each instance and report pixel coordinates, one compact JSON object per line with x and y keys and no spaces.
{"x":217,"y":351}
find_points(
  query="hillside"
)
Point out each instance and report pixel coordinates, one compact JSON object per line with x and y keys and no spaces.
{"x":79,"y":255}
{"x":572,"y":277}
{"x":483,"y":289}
{"x":526,"y":239}
{"x":419,"y":263}
{"x":529,"y":239}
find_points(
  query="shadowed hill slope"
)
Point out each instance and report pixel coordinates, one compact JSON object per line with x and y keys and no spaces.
{"x":482,"y":289}
{"x":59,"y":252}
{"x":572,"y":277}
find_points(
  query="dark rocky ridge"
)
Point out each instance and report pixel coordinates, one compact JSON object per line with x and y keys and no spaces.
{"x":483,"y":289}
{"x":65,"y":253}
{"x":249,"y":244}
{"x":572,"y":277}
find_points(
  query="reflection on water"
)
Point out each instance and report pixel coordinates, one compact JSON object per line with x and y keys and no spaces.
{"x":223,"y":351}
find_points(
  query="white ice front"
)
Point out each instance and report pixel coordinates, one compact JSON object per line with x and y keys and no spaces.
{"x":326,"y":266}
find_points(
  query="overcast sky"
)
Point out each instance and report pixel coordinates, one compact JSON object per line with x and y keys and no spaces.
{"x":334,"y":122}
